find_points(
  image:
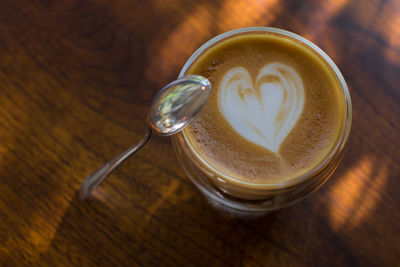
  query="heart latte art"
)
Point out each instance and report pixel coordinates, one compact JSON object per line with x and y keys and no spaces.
{"x":263,"y":111}
{"x":275,"y":112}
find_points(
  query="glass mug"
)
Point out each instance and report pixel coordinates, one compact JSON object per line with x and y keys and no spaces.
{"x":247,"y":199}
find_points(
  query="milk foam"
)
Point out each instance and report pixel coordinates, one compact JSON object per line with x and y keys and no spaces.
{"x":265,"y":112}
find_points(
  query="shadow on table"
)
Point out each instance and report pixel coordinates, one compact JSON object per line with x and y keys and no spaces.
{"x":94,"y":232}
{"x":333,"y":225}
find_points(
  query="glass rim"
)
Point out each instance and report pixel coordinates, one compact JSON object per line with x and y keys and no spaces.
{"x":342,"y":139}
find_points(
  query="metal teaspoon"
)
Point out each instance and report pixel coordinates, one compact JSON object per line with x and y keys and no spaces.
{"x":172,"y":109}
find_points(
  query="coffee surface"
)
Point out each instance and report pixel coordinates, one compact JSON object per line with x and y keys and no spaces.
{"x":275,"y":111}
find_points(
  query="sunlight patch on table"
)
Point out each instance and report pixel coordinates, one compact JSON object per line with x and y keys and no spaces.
{"x":180,"y":44}
{"x":166,"y":192}
{"x":321,"y":18}
{"x":356,"y":195}
{"x":44,"y":228}
{"x":238,"y":14}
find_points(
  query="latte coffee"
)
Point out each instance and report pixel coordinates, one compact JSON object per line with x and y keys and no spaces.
{"x":277,"y":110}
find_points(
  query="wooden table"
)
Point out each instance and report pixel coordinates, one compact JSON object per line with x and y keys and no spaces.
{"x":76,"y":82}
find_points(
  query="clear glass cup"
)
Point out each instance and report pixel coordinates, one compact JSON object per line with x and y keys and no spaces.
{"x":245,"y":199}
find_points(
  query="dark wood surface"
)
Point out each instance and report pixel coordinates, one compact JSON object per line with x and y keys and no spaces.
{"x":76,"y":82}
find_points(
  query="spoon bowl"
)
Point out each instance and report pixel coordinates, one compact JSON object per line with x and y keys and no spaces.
{"x":177,"y":104}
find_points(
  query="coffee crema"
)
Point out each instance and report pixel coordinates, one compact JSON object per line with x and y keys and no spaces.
{"x":275,"y":111}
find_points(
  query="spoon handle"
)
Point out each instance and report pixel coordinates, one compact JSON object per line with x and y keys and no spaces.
{"x":92,"y":181}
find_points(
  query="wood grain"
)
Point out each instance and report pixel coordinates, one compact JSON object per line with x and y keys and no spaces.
{"x":76,"y":81}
